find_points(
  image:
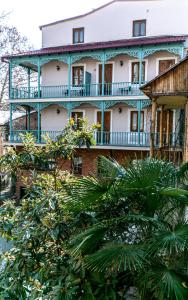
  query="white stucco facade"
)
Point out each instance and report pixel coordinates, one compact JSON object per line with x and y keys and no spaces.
{"x":115,"y":21}
{"x":109,"y":23}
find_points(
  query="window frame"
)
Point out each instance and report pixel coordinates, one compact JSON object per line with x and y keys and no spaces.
{"x":131,"y":120}
{"x":78,"y":67}
{"x":79,"y":170}
{"x":79,"y":30}
{"x":144,"y":70}
{"x":139,"y":22}
{"x":77,"y":125}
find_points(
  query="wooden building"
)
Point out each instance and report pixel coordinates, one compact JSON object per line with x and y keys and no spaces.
{"x":169,"y":91}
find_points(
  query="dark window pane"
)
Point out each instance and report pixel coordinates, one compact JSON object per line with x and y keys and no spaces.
{"x":78,"y":35}
{"x":77,"y":165}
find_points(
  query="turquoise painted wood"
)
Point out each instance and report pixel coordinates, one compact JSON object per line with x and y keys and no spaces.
{"x":38,"y":124}
{"x":106,"y":138}
{"x":11,"y":129}
{"x":39,"y":71}
{"x":85,"y":90}
{"x":29,"y":81}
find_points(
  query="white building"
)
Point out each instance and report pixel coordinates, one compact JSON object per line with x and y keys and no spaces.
{"x":93,"y":65}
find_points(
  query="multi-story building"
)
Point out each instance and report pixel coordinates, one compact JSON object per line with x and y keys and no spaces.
{"x":93,"y":66}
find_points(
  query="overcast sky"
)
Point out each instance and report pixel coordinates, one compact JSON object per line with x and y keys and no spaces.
{"x":27,"y":15}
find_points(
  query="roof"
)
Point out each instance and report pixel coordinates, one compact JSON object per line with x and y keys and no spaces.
{"x":5,"y":116}
{"x":125,"y":43}
{"x":164,"y":73}
{"x":90,"y":12}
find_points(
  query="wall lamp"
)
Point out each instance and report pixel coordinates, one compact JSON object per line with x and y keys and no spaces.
{"x":120,"y":110}
{"x":121,"y":63}
{"x":57,"y":68}
{"x":58,"y":111}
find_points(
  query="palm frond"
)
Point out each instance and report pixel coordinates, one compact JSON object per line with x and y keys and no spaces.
{"x":170,"y":243}
{"x":164,"y":284}
{"x":116,"y":257}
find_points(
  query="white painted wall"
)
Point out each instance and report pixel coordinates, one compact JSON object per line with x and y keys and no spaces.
{"x":52,"y":77}
{"x":120,"y":122}
{"x":115,"y":22}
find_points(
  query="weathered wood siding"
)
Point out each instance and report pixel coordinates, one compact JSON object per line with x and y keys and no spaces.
{"x":174,"y":82}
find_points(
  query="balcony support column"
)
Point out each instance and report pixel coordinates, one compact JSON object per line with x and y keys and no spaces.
{"x":103,"y":73}
{"x":161,"y":128}
{"x":11,"y":127}
{"x":168,"y":128}
{"x":69,"y":75}
{"x":29,"y":81}
{"x":39,"y":71}
{"x":139,"y":108}
{"x":185,"y":152}
{"x":29,"y":118}
{"x":39,"y":124}
{"x":153,"y":125}
{"x":140,"y":67}
{"x":102,"y":122}
{"x":10,"y":80}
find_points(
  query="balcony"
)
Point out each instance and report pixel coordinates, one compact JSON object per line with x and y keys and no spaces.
{"x":118,"y":139}
{"x":71,"y":91}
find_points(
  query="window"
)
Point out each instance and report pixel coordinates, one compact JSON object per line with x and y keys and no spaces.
{"x":136,"y":71}
{"x":165,"y":64}
{"x":78,"y":76}
{"x":134,"y":121}
{"x":139,"y":28}
{"x":77,"y":116}
{"x":77,"y":165}
{"x":78,"y":35}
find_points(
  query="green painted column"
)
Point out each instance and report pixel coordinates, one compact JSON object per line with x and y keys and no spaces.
{"x":103,"y":73}
{"x":11,"y":127}
{"x":140,"y":67}
{"x":69,"y":75}
{"x":10,"y":80}
{"x":29,"y":81}
{"x":102,"y":122}
{"x":39,"y":124}
{"x":39,"y":71}
{"x":139,"y":108}
{"x":29,"y":118}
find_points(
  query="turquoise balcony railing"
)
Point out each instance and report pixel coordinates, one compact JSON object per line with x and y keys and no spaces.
{"x":121,"y":139}
{"x":86,"y":90}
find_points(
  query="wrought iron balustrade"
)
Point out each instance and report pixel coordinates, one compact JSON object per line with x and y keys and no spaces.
{"x":106,"y":138}
{"x":86,"y":90}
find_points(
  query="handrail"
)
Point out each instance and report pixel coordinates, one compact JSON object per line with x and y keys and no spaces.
{"x":85,"y":90}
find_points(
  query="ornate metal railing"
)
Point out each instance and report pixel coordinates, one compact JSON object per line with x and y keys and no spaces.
{"x":106,"y":138}
{"x":86,"y":90}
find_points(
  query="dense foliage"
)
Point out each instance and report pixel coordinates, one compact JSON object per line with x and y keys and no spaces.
{"x":101,"y":237}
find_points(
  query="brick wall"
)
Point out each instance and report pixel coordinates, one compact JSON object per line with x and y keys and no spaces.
{"x":89,"y":158}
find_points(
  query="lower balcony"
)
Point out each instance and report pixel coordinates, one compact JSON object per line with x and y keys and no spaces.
{"x":114,"y":139}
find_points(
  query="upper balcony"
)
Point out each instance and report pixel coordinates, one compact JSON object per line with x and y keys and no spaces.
{"x":77,"y":91}
{"x":108,"y":69}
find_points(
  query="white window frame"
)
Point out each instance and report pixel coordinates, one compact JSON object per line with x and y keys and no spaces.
{"x":79,"y":65}
{"x":130,"y":68}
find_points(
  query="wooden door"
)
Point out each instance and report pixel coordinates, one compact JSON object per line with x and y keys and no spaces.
{"x":165,"y":64}
{"x":107,"y":120}
{"x":107,"y":78}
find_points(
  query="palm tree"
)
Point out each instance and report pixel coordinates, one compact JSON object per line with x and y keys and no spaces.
{"x":140,"y":232}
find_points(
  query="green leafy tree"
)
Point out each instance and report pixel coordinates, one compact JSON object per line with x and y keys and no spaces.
{"x":97,"y":237}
